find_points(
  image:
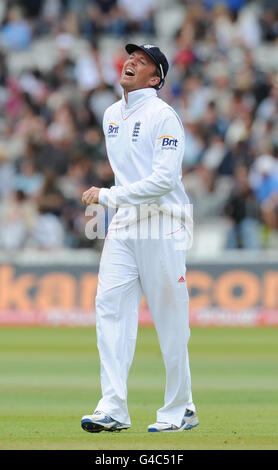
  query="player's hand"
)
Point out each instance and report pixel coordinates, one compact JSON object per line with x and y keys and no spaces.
{"x":91,"y":196}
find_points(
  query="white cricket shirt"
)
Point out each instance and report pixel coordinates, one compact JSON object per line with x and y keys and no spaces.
{"x":145,"y":146}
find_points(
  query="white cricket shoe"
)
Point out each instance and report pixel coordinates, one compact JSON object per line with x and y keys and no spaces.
{"x":189,"y":421}
{"x":99,"y":421}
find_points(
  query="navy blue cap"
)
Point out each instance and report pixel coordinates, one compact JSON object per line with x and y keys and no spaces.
{"x":156,"y":55}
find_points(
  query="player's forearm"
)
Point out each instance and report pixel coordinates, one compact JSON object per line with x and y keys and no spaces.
{"x":145,"y":191}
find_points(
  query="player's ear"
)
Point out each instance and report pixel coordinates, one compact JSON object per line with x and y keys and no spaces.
{"x":155,"y":81}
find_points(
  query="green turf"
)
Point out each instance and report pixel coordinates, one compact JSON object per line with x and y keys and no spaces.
{"x":49,"y":378}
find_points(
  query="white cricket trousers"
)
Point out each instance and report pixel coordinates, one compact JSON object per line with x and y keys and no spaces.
{"x":129,"y":268}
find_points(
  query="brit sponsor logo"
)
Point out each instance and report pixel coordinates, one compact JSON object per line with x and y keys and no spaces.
{"x":148,"y":46}
{"x":168,"y":142}
{"x":113,"y":129}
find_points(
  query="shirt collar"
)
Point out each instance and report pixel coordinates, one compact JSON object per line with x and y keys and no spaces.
{"x":137,"y":97}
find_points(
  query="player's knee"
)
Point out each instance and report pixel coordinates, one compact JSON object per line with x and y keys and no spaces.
{"x":107,"y":304}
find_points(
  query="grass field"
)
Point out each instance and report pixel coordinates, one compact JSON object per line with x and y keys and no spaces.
{"x":49,"y":378}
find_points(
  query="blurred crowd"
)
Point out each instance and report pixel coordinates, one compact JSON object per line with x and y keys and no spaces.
{"x":51,"y":140}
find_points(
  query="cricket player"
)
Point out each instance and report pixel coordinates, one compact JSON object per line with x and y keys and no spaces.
{"x":145,"y":146}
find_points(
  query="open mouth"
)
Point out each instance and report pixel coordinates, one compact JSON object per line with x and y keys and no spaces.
{"x":129,"y":72}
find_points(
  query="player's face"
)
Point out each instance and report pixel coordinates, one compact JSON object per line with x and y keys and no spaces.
{"x":138,"y":72}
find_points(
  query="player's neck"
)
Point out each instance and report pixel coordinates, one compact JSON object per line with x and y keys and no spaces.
{"x":127,"y":91}
{"x":143,"y":93}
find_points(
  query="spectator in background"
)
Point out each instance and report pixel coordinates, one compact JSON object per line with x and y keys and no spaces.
{"x":50,"y":14}
{"x":139,"y":16}
{"x":48,"y":232}
{"x":185,"y":57}
{"x":29,"y":123}
{"x":194,"y":142}
{"x":268,"y":108}
{"x":269,"y":22}
{"x":88,"y":71}
{"x":264,"y":177}
{"x":214,"y":153}
{"x":27,"y":179}
{"x":61,"y":132}
{"x":50,"y":198}
{"x":81,"y":173}
{"x":100,"y":99}
{"x":17,"y":220}
{"x":239,"y":154}
{"x":11,"y":145}
{"x":92,"y":144}
{"x":234,"y":30}
{"x":16,"y":33}
{"x":212,"y":122}
{"x":12,"y":99}
{"x":243,"y":211}
{"x":7,"y":175}
{"x":104,"y":16}
{"x":198,"y":95}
